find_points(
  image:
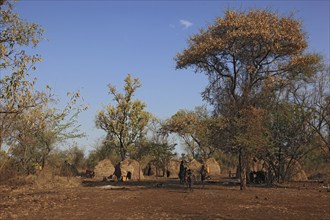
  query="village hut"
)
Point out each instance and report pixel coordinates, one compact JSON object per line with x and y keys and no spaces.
{"x":128,"y":170}
{"x":258,"y":165}
{"x":173,"y":168}
{"x":295,"y":171}
{"x":151,"y":170}
{"x":292,"y":169}
{"x":195,"y":167}
{"x":212,"y":167}
{"x":104,"y":169}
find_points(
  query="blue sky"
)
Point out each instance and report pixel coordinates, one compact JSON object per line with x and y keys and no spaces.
{"x":93,"y":43}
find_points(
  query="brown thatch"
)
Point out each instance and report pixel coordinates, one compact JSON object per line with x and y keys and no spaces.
{"x":295,"y":172}
{"x":195,"y":167}
{"x":173,"y":168}
{"x":104,"y":168}
{"x":213,"y":167}
{"x":129,"y":169}
{"x":258,"y":165}
{"x":151,"y":170}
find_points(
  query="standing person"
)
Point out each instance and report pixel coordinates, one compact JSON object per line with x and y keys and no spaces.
{"x":190,"y":179}
{"x":182,"y":172}
{"x":203,"y":173}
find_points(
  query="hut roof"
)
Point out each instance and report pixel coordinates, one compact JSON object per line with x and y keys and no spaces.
{"x":213,"y":167}
{"x":104,"y":168}
{"x":129,"y":168}
{"x":195,"y":166}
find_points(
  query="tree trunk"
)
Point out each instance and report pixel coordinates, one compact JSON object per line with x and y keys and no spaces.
{"x":0,"y":140}
{"x":242,"y":169}
{"x":122,"y":154}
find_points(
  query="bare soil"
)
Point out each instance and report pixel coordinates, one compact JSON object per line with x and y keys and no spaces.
{"x":165,"y":199}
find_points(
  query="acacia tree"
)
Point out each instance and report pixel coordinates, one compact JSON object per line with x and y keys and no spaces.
{"x":242,"y":53}
{"x":125,"y":121}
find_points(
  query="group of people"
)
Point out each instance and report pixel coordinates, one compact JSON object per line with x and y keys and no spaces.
{"x":186,"y":175}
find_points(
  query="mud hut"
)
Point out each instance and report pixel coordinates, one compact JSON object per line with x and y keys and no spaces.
{"x":104,"y":168}
{"x":291,"y":168}
{"x":295,"y":171}
{"x":173,"y":168}
{"x":151,"y":170}
{"x":213,"y":167}
{"x":258,"y":165}
{"x":128,"y":170}
{"x":195,"y":167}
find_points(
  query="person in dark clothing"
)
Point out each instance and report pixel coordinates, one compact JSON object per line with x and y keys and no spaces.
{"x":203,"y":174}
{"x":190,"y":179}
{"x":182,"y":172}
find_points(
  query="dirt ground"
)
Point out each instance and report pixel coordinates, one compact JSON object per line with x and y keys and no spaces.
{"x":165,"y":199}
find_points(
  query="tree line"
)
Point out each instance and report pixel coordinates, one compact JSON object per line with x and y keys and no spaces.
{"x":268,"y":98}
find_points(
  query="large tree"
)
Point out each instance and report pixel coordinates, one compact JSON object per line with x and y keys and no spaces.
{"x":126,"y":120}
{"x":244,"y":54}
{"x":16,"y":88}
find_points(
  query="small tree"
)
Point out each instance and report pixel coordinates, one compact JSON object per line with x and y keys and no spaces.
{"x":195,"y":128}
{"x":160,"y":148}
{"x":37,"y":131}
{"x":125,"y":122}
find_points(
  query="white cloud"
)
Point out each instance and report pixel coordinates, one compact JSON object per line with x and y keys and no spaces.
{"x":186,"y":23}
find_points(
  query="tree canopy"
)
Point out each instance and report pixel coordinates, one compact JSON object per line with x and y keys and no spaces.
{"x":248,"y":57}
{"x":125,"y":121}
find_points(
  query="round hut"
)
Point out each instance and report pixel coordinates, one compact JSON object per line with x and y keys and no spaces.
{"x":104,"y":168}
{"x":292,"y":169}
{"x":295,"y":171}
{"x":129,"y":170}
{"x":173,"y":168}
{"x":213,"y":167}
{"x":151,"y":170}
{"x":195,"y":167}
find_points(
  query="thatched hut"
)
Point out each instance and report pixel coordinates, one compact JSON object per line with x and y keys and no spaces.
{"x":128,"y":170}
{"x":104,"y":168}
{"x":151,"y":170}
{"x":295,"y":171}
{"x":195,"y":167}
{"x":258,"y":165}
{"x":291,"y":168}
{"x":213,"y":167}
{"x":173,"y":168}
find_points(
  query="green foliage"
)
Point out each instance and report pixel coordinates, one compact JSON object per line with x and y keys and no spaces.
{"x":196,"y":128}
{"x":125,"y":122}
{"x":17,"y":92}
{"x":159,"y":146}
{"x":30,"y":125}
